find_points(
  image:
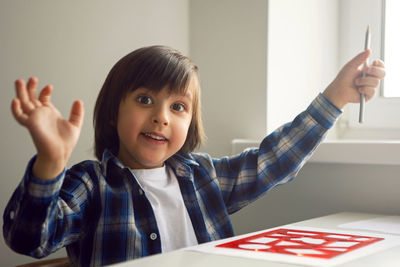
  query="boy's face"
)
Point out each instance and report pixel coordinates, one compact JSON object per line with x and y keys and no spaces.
{"x":152,"y":126}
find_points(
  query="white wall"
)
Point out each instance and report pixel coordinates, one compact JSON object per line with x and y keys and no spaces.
{"x":228,"y":41}
{"x":72,"y":45}
{"x":302,"y":55}
{"x":321,"y":189}
{"x":287,"y":46}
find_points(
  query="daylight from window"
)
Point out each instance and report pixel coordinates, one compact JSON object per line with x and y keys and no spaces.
{"x":391,"y":86}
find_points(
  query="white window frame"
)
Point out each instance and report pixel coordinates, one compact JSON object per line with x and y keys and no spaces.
{"x":381,"y":119}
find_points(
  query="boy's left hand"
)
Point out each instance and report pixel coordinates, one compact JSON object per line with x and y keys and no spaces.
{"x":349,"y":83}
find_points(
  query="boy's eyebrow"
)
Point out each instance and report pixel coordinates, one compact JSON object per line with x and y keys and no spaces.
{"x":140,"y":90}
{"x":187,"y":95}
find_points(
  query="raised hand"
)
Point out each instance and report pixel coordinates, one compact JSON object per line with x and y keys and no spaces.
{"x":54,"y":137}
{"x":348,"y":84}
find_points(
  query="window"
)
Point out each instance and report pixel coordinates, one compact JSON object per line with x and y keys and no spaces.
{"x":381,"y":113}
{"x":327,"y":34}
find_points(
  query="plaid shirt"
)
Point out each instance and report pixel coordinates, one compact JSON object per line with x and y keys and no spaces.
{"x":100,"y":213}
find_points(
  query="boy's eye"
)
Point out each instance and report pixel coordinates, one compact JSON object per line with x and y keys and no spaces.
{"x":178,"y":107}
{"x":144,"y":100}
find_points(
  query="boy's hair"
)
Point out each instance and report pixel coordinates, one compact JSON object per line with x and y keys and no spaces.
{"x":153,"y":67}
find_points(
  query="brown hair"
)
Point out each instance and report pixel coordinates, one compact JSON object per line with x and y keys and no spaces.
{"x":153,"y":67}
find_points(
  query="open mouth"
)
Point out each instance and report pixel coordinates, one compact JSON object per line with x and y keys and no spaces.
{"x":155,"y":137}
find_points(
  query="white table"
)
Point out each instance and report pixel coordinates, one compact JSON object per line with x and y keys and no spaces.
{"x":387,"y":258}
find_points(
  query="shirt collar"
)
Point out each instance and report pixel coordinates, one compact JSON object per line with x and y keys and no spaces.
{"x":109,"y":156}
{"x":179,"y":162}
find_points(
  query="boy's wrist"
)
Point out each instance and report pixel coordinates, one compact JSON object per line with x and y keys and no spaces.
{"x":334,"y":97}
{"x":46,"y":169}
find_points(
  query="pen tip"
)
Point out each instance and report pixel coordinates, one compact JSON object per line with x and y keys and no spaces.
{"x":368,"y":30}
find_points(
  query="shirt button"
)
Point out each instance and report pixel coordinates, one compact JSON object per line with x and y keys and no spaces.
{"x":140,"y":192}
{"x":12,"y":214}
{"x":153,"y":236}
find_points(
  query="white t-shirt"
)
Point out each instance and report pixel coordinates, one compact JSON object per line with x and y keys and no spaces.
{"x":162,"y":189}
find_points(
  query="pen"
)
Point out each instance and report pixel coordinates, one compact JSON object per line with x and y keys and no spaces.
{"x":362,"y":96}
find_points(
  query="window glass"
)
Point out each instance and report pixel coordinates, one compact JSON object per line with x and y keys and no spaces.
{"x":391,"y":86}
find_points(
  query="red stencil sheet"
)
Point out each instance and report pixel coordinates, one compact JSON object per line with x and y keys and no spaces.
{"x":302,"y":243}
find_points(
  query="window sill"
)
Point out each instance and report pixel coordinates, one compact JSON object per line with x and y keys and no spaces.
{"x":384,"y":152}
{"x":381,"y":152}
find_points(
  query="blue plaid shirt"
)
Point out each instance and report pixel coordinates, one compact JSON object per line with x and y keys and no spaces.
{"x":98,"y":211}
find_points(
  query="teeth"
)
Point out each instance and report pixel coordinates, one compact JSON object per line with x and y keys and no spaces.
{"x":154,"y":136}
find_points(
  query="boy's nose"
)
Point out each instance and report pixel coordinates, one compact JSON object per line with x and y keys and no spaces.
{"x":161,"y":117}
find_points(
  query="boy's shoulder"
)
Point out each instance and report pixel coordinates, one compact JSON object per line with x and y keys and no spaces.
{"x":193,"y":159}
{"x":89,"y":163}
{"x":86,"y":167}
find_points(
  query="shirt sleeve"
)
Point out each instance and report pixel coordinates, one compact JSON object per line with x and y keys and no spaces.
{"x":245,"y":177}
{"x":42,"y":216}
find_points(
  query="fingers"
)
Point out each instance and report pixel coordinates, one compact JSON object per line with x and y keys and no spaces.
{"x":23,"y":96}
{"x":45,"y":94}
{"x":76,"y":114}
{"x":376,"y":69}
{"x":17,"y":111}
{"x":31,"y":88}
{"x":378,"y":63}
{"x":26,"y":93}
{"x":368,"y":92}
{"x":359,"y":60}
{"x":368,"y":81}
{"x":367,"y":85}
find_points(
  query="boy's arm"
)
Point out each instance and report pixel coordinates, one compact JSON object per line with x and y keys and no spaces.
{"x":281,"y":154}
{"x":40,"y":219}
{"x":245,"y":177}
{"x":32,"y":208}
{"x":54,"y":137}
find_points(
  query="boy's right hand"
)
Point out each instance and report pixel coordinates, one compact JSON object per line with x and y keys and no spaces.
{"x":54,"y":137}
